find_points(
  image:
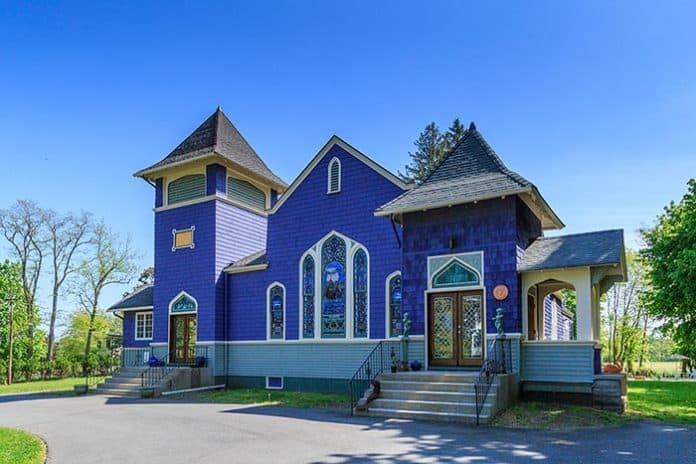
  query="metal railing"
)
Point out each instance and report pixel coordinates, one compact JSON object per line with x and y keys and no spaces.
{"x":134,"y":357}
{"x":381,"y":358}
{"x":498,"y":361}
{"x":159,"y":370}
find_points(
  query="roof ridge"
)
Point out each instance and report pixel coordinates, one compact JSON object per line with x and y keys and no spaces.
{"x":449,"y":153}
{"x":498,"y":161}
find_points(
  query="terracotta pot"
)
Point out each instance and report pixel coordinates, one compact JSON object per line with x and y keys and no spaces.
{"x":612,"y":368}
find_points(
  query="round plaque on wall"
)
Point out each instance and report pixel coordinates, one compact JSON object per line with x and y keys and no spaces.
{"x":500,"y":292}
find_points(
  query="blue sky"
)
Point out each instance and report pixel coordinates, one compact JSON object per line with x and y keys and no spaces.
{"x":594,"y":102}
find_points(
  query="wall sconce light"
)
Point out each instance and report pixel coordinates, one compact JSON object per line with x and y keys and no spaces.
{"x":452,"y":242}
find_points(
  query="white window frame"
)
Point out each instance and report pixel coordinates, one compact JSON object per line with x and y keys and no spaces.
{"x":268,"y":311}
{"x":328,"y":177}
{"x":152,"y":325}
{"x":282,"y":382}
{"x":387,"y":304}
{"x":191,"y":229}
{"x":315,"y":251}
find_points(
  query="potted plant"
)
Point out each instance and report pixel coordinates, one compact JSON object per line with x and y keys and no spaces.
{"x":81,"y":389}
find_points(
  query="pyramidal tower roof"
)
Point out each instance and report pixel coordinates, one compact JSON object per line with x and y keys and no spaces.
{"x":217,"y":137}
{"x":471,"y":172}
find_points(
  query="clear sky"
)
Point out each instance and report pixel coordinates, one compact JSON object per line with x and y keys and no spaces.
{"x":594,"y":102}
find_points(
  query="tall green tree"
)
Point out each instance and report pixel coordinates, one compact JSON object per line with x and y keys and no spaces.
{"x":70,"y":348}
{"x":12,"y":317}
{"x":671,"y":257}
{"x":109,"y":261}
{"x":431,"y":147}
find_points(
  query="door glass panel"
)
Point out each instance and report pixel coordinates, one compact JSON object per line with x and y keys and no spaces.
{"x":191,"y":337}
{"x":179,"y":329}
{"x":443,"y":328}
{"x":470,"y":317}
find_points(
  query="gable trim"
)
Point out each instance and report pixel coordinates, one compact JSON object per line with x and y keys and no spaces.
{"x":336,"y":140}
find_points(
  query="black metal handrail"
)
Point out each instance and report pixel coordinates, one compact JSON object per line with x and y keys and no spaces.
{"x":498,"y":361}
{"x":381,"y":358}
{"x":157,"y":372}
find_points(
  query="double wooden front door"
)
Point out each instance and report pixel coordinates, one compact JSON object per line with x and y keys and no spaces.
{"x":182,"y":338}
{"x":456,"y":325}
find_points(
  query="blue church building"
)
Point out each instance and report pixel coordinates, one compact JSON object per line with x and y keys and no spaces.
{"x":292,"y":286}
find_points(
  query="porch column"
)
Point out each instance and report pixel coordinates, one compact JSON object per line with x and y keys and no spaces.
{"x":584,"y":309}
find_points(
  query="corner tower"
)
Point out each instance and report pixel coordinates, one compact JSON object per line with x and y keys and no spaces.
{"x":211,"y":196}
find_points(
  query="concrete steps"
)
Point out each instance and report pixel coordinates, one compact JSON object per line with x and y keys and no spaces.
{"x":430,"y":395}
{"x":125,"y":382}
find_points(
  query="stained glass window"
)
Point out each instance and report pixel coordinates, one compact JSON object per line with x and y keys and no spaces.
{"x":308,"y":297}
{"x":183,"y":304}
{"x":395,"y":315}
{"x":360,"y":310}
{"x":276,"y":308}
{"x":333,"y":267}
{"x":455,"y":274}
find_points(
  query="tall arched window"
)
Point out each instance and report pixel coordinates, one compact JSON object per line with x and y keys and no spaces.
{"x":394,"y":312}
{"x":333,"y":288}
{"x":360,"y":294}
{"x":334,"y":176}
{"x":186,"y":188}
{"x":276,"y":312}
{"x":308,"y":297}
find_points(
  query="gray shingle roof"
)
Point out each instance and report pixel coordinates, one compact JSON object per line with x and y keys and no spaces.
{"x":217,"y":134}
{"x":472,"y":171}
{"x":588,"y":249}
{"x":253,"y":259}
{"x":141,"y":298}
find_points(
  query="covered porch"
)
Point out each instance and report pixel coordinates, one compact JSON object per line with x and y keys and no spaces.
{"x":584,"y":266}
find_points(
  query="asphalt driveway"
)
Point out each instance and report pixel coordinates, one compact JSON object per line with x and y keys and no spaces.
{"x":112,"y":430}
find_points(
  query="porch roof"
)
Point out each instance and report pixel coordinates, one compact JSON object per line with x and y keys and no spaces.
{"x":141,"y":299}
{"x":587,"y":249}
{"x":254,"y":261}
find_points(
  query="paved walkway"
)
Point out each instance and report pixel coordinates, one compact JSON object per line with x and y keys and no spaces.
{"x":111,"y":430}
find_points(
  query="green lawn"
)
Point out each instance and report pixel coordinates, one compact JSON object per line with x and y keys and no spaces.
{"x":43,"y":386}
{"x":17,"y":447}
{"x":670,"y":401}
{"x":282,"y":398}
{"x":541,"y":415}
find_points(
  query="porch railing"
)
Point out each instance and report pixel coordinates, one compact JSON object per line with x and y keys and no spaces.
{"x":379,"y":360}
{"x":498,"y":361}
{"x":134,"y":357}
{"x":160,"y":370}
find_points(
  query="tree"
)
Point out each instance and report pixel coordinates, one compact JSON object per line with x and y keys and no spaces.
{"x":671,"y":256}
{"x":627,"y":318}
{"x":109,"y":261}
{"x":11,"y":321}
{"x":23,"y":228}
{"x":70,"y":355}
{"x":66,"y":234}
{"x":431,"y":148}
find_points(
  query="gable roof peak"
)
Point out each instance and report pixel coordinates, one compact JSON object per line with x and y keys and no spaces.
{"x":219,"y":137}
{"x":472,"y":126}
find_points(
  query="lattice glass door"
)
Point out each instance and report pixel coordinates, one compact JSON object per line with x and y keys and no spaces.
{"x":456,"y":329}
{"x":471,"y":335}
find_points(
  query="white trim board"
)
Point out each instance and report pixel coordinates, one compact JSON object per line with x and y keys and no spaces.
{"x":308,"y":341}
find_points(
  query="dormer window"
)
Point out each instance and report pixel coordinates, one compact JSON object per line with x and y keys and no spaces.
{"x":334,"y":177}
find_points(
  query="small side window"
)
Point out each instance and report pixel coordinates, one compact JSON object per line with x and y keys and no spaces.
{"x":183,"y":238}
{"x":334,"y":181}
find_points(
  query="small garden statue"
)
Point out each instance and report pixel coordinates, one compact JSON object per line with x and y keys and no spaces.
{"x":406,"y":324}
{"x":499,"y":322}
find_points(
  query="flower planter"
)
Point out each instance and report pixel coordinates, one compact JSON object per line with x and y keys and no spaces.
{"x":81,"y":389}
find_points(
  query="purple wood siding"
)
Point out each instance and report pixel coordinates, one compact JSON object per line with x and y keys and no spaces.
{"x":129,"y":340}
{"x":489,"y":226}
{"x":305,"y":218}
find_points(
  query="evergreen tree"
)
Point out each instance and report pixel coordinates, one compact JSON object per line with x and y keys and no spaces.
{"x":431,"y":147}
{"x":454,"y":134}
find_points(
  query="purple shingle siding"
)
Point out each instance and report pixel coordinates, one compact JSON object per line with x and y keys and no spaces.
{"x":129,"y":332}
{"x":216,"y":179}
{"x":304,"y":219}
{"x":489,"y":226}
{"x":159,"y":192}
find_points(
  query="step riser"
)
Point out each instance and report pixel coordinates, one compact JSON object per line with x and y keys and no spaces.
{"x":399,"y":414}
{"x":427,"y":396}
{"x":435,"y":387}
{"x":118,"y":392}
{"x":457,"y":408}
{"x":431,"y":376}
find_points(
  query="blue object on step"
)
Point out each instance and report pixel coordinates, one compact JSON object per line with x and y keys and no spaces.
{"x":153,"y":361}
{"x":416,"y":365}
